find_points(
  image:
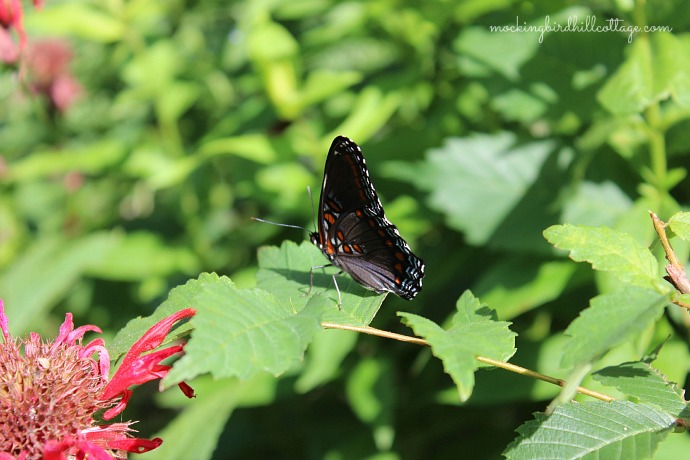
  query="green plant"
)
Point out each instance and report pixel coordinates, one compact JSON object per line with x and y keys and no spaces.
{"x":195,"y":117}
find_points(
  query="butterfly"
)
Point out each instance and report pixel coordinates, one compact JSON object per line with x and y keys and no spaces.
{"x":353,"y":231}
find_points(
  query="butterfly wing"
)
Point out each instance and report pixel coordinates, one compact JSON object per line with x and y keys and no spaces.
{"x":354,"y":233}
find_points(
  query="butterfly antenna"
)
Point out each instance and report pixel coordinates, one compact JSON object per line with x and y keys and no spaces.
{"x":278,"y":224}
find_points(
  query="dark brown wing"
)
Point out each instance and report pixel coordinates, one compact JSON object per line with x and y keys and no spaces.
{"x":353,"y":230}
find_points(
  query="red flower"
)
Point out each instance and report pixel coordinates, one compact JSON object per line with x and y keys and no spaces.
{"x":50,"y":392}
{"x":11,"y":13}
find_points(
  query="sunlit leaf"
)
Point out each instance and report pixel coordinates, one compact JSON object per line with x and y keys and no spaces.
{"x":592,"y":430}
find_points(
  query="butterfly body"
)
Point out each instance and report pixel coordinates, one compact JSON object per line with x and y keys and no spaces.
{"x":353,"y":231}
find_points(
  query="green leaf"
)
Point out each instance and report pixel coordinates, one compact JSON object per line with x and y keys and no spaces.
{"x":516,"y":285}
{"x":371,"y":394}
{"x":46,"y":272}
{"x":476,"y":182}
{"x":680,"y":225}
{"x":651,"y":72}
{"x":370,"y":112}
{"x":322,"y":84}
{"x":91,"y":159}
{"x":178,"y":299}
{"x":607,"y":250}
{"x":239,"y":332}
{"x":503,"y":53}
{"x":254,"y":147}
{"x":194,"y":433}
{"x":593,"y":430}
{"x":474,"y":331}
{"x":646,"y":384}
{"x":596,"y":204}
{"x":153,"y":68}
{"x":176,"y":98}
{"x":141,"y":255}
{"x":610,"y":320}
{"x":79,"y":20}
{"x":285,"y":271}
{"x":324,"y":358}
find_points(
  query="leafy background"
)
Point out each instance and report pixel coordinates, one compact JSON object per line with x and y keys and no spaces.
{"x":196,"y":116}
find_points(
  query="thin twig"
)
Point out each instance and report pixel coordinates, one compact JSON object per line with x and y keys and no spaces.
{"x":493,"y":362}
{"x":676,"y":271}
{"x":660,"y":228}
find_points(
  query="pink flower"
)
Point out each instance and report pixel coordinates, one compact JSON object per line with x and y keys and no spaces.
{"x":47,"y":67}
{"x":50,"y":393}
{"x":11,"y":14}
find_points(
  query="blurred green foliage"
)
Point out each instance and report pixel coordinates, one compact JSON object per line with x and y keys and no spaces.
{"x":196,"y":116}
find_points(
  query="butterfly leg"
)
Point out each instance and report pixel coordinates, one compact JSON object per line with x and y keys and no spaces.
{"x":311,"y":276}
{"x":311,"y":281}
{"x":340,"y":302}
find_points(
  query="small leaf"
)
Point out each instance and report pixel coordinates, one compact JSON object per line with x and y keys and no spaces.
{"x":680,"y":225}
{"x":610,"y":320}
{"x":646,"y":384}
{"x":239,"y":332}
{"x":593,"y":430}
{"x":607,"y":250}
{"x":474,"y":332}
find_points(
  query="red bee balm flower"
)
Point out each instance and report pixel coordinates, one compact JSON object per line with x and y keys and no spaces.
{"x":50,"y":393}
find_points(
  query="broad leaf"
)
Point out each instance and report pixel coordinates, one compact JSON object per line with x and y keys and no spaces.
{"x":474,"y":331}
{"x":596,"y":204}
{"x":239,"y":332}
{"x":641,"y":381}
{"x":611,"y":319}
{"x":285,"y":271}
{"x":516,"y":285}
{"x":607,"y":250}
{"x":593,"y":430}
{"x":476,"y":182}
{"x":178,"y":299}
{"x":651,"y":72}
